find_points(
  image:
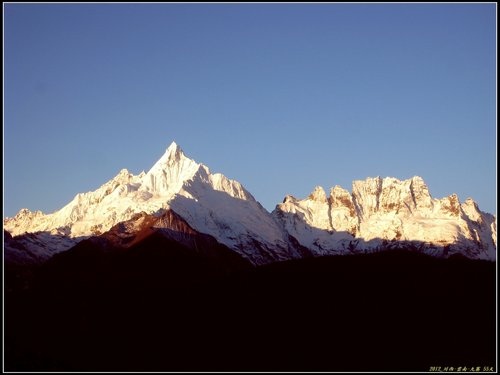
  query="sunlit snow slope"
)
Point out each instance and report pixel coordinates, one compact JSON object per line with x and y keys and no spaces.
{"x":210,"y":203}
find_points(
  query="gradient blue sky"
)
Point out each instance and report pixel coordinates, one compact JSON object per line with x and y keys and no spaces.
{"x":281,"y":97}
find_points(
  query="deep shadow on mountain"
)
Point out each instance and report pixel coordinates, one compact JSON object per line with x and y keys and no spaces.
{"x":160,"y":306}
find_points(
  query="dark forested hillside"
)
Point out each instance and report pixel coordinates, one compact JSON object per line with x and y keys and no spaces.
{"x":158,"y":307}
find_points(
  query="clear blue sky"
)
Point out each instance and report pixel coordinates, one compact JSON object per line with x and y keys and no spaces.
{"x":281,"y":97}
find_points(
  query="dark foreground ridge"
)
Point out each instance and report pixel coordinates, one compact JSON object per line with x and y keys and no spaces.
{"x":160,"y":306}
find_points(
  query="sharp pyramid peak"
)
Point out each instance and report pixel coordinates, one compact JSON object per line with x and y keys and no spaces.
{"x":173,"y":155}
{"x":174,"y":148}
{"x":170,"y":171}
{"x":174,"y":151}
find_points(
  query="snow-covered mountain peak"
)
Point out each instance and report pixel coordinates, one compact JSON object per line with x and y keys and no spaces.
{"x":23,"y":218}
{"x":420,"y":193}
{"x":417,"y":180}
{"x":470,"y":204}
{"x":123,"y":172}
{"x":172,"y":156}
{"x":471,"y":209}
{"x":391,"y":194}
{"x":123,"y":177}
{"x":24,"y":212}
{"x":378,"y":209}
{"x":450,"y":206}
{"x":341,"y":199}
{"x":211,"y":204}
{"x":389,"y":209}
{"x":174,"y":151}
{"x":318,"y":194}
{"x":170,"y":172}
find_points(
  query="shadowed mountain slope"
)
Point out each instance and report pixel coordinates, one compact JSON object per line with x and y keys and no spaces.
{"x":144,"y":310}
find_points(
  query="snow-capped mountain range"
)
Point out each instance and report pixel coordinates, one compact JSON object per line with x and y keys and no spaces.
{"x":381,"y":210}
{"x":379,"y":213}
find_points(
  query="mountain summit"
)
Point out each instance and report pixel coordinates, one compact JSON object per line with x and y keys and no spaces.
{"x":168,"y":174}
{"x":380,"y":213}
{"x":210,"y":203}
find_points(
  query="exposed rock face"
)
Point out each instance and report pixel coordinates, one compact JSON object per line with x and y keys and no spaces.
{"x":366,"y":195}
{"x":420,"y":193}
{"x":380,"y":210}
{"x":343,"y":211}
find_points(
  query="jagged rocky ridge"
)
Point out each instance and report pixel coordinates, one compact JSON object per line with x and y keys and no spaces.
{"x":378,"y":214}
{"x":383,"y":213}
